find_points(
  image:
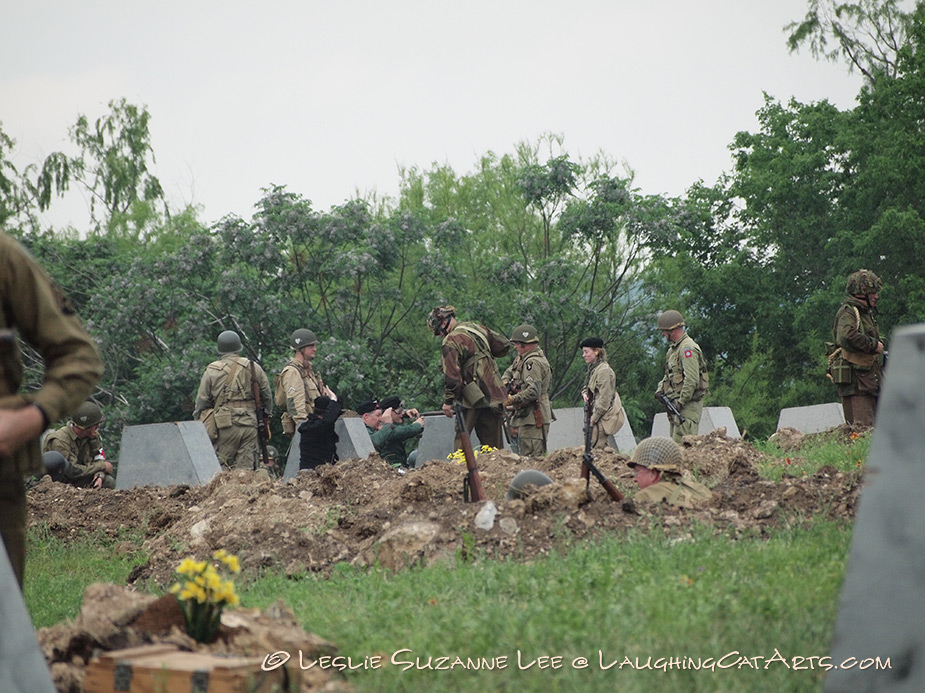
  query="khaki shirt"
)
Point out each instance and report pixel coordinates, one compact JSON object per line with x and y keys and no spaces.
{"x":602,"y":386}
{"x":686,"y":378}
{"x":84,"y":454}
{"x":682,"y":493}
{"x":238,"y":393}
{"x":38,"y":312}
{"x":533,"y":375}
{"x":297,"y":387}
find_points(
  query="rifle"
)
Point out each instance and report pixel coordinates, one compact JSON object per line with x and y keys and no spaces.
{"x":472,"y":485}
{"x":263,"y":425}
{"x":670,"y":406}
{"x":587,"y":459}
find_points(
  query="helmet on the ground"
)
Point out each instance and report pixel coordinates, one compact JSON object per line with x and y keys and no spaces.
{"x":88,"y":414}
{"x":229,"y":342}
{"x":659,"y":453}
{"x":438,"y":316}
{"x":863,"y":282}
{"x":302,"y":338}
{"x":670,"y":319}
{"x":527,"y":477}
{"x":524,"y":334}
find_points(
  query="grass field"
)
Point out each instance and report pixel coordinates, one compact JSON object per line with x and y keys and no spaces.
{"x":693,"y":611}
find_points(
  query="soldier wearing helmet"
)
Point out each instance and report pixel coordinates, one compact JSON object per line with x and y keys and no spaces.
{"x":527,"y":381}
{"x":225,"y":403}
{"x":75,"y":450}
{"x":658,"y":474}
{"x":470,"y":373}
{"x":685,"y":382}
{"x":857,"y":363}
{"x":600,"y":393}
{"x":297,"y":385}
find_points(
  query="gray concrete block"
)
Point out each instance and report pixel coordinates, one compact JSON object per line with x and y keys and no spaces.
{"x":711,"y":419}
{"x":437,"y":439}
{"x":812,"y":419}
{"x":352,"y":441}
{"x":22,"y":664}
{"x":882,"y":612}
{"x":161,"y":454}
{"x":568,"y":431}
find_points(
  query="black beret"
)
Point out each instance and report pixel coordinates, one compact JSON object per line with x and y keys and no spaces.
{"x":367,"y":406}
{"x":321,"y":404}
{"x":393,"y":402}
{"x":593,"y":343}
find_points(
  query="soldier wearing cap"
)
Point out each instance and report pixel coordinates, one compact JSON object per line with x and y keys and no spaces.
{"x":657,"y":464}
{"x":399,"y":427}
{"x":297,"y":385}
{"x":600,"y":391}
{"x":226,"y":389}
{"x":857,"y":365}
{"x":527,"y":381}
{"x":33,"y":309}
{"x":470,"y":373}
{"x":685,"y":382}
{"x":74,"y":453}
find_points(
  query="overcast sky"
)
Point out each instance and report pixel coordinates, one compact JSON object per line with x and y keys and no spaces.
{"x":330,"y":98}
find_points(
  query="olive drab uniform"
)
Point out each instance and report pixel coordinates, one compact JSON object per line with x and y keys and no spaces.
{"x":686,"y":382}
{"x":84,"y":455}
{"x":471,"y":377}
{"x":297,"y":387}
{"x":680,"y":492}
{"x":856,"y":367}
{"x":33,"y":308}
{"x":226,"y":388}
{"x":528,"y":379}
{"x":606,"y":407}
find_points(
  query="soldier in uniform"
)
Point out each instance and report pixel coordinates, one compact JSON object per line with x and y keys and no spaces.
{"x":73,"y":454}
{"x":527,"y":381}
{"x":471,"y":375}
{"x":32,"y":308}
{"x":398,"y":428}
{"x":685,"y":382}
{"x":857,"y":365}
{"x":657,"y":464}
{"x":601,"y":390}
{"x":226,"y":388}
{"x":298,"y":386}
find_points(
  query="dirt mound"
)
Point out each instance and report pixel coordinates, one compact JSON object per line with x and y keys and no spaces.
{"x":362,"y":511}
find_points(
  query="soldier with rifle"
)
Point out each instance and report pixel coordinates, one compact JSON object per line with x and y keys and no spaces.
{"x":227,"y":403}
{"x":606,"y":415}
{"x":472,"y":484}
{"x":685,"y":382}
{"x":527,"y":381}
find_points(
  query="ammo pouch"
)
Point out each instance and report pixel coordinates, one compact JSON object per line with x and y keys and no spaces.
{"x":288,"y":423}
{"x":473,"y":397}
{"x":222,"y":418}
{"x":838,"y":369}
{"x":207,"y":417}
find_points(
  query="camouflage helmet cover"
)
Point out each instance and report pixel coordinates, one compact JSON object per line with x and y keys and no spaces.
{"x":438,"y":316}
{"x":863,"y":282}
{"x":88,"y":414}
{"x":229,"y":342}
{"x":524,"y":334}
{"x":670,"y":319}
{"x":658,"y":453}
{"x":302,"y":338}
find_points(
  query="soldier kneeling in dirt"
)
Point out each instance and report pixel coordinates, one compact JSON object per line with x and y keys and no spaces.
{"x":73,"y":454}
{"x":657,"y":463}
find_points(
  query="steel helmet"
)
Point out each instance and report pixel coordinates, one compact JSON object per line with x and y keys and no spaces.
{"x":302,"y":338}
{"x":438,"y":316}
{"x":863,"y":282}
{"x":527,"y":477}
{"x":657,"y":452}
{"x":524,"y":334}
{"x":88,"y":414}
{"x":229,"y":342}
{"x":670,"y":319}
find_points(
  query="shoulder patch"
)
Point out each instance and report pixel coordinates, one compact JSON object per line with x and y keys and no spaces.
{"x":529,"y":365}
{"x":688,"y":353}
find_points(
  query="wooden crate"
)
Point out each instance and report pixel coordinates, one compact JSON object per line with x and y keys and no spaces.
{"x":165,"y":669}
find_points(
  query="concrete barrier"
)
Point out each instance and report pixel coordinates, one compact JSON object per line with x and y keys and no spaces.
{"x":352,"y":441}
{"x":568,"y":431}
{"x":812,"y":419}
{"x":881,"y":612}
{"x":711,"y":419}
{"x":162,"y":454}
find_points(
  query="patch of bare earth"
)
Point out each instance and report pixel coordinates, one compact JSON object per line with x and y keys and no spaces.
{"x":363,"y":512}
